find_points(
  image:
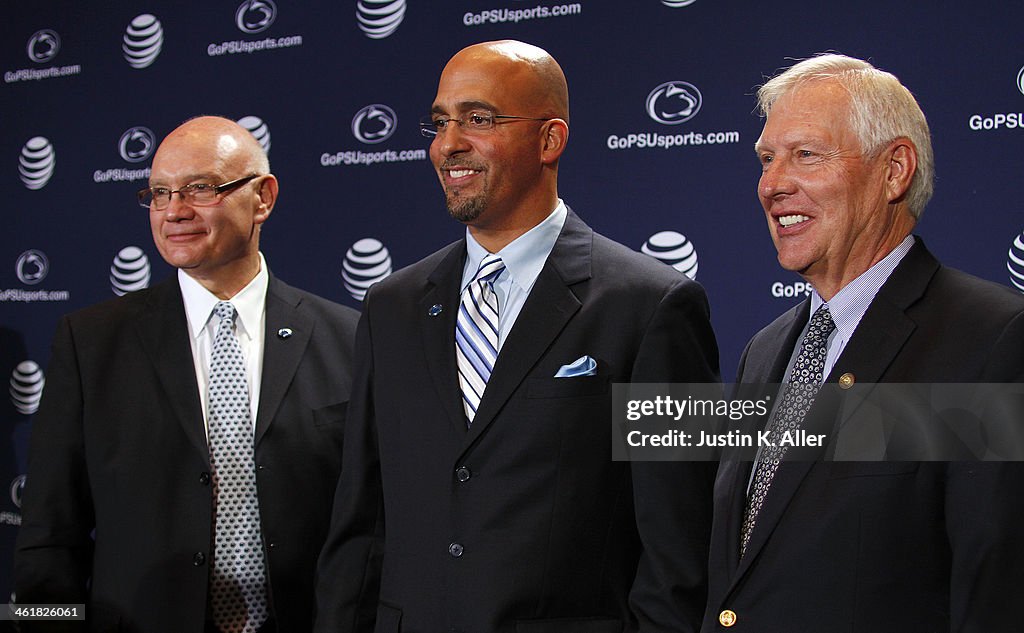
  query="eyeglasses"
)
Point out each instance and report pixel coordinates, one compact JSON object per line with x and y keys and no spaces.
{"x":198,"y":194}
{"x":471,"y":123}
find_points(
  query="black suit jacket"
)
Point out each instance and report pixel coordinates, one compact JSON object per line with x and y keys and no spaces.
{"x":522,"y":522}
{"x":118,"y":447}
{"x":875,"y":547}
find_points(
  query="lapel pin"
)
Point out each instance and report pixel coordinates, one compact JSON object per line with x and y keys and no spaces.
{"x":284,"y":333}
{"x":846,"y":380}
{"x":435,"y":310}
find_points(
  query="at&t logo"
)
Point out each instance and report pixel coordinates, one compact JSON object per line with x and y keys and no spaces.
{"x":257,"y":128}
{"x":676,"y":4}
{"x":674,"y":102}
{"x":255,"y":16}
{"x":27,"y":387}
{"x":136,"y":144}
{"x":374,"y":124}
{"x":366,"y":263}
{"x":673,"y":249}
{"x":1015,"y":262}
{"x":43,"y":46}
{"x":379,"y":18}
{"x":32,"y":267}
{"x":130,"y":271}
{"x":143,"y":40}
{"x":37,"y":162}
{"x":1020,"y":80}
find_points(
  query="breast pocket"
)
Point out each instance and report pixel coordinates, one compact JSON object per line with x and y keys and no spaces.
{"x":848,"y":470}
{"x":567,"y":387}
{"x":389,"y":619}
{"x":331,"y":415}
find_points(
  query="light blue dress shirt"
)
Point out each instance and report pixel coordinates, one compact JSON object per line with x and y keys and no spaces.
{"x":524,"y":258}
{"x":850,"y":303}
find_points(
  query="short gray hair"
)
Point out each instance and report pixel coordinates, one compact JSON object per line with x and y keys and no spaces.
{"x":881,"y":110}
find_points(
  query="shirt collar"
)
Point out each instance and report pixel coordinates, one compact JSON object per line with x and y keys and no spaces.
{"x":524,"y":256}
{"x":849,"y":304}
{"x":249,"y":302}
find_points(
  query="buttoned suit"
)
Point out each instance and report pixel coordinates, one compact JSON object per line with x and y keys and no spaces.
{"x":118,"y":446}
{"x":521,"y":522}
{"x":881,"y":546}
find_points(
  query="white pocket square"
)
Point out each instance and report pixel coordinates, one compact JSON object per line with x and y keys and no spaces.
{"x":582,"y":366}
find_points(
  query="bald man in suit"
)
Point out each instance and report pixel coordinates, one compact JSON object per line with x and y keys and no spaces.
{"x":480,"y":471}
{"x":124,"y":509}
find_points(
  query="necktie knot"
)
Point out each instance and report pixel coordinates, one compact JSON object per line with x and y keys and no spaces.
{"x":810,"y":364}
{"x":821,"y":324}
{"x":225,"y":311}
{"x":489,"y":269}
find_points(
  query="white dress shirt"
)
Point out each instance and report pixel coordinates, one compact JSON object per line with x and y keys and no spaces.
{"x":250,"y":305}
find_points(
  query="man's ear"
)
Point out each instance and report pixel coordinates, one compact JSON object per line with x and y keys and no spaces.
{"x":554,"y":136}
{"x":267,"y":193}
{"x":901,"y":165}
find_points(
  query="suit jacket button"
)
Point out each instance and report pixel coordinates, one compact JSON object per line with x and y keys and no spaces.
{"x":204,"y":478}
{"x":199,"y":559}
{"x":455,"y":549}
{"x":846,"y":380}
{"x":727,"y":618}
{"x":463,"y":474}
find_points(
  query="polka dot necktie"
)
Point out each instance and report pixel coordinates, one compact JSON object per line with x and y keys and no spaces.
{"x":804,"y":383}
{"x":238,"y":583}
{"x":476,"y":334}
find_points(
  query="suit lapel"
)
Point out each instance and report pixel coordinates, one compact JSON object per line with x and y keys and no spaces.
{"x":885,"y":328}
{"x":438,"y":332}
{"x":732,"y":481}
{"x":282,"y":351}
{"x":547,"y":310}
{"x":163,"y":330}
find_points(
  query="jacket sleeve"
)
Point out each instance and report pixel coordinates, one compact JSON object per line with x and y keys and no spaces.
{"x":348,"y":571}
{"x":674,"y":499}
{"x":53,"y":553}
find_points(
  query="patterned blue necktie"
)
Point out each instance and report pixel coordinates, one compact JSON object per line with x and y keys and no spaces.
{"x":476,"y":334}
{"x":804,"y":382}
{"x":238,"y":583}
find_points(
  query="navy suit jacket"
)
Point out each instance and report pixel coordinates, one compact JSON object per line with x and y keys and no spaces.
{"x":118,"y":447}
{"x":522,"y":522}
{"x":874,"y":547}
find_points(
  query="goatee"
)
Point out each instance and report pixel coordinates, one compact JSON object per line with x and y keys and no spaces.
{"x":465,"y":210}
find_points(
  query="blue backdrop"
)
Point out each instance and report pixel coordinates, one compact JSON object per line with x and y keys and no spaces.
{"x":660,"y":155}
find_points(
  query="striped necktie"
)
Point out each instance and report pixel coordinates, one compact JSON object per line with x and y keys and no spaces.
{"x":476,"y":334}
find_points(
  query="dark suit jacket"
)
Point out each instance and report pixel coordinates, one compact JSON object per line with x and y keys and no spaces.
{"x":523,"y":522}
{"x":118,"y":447}
{"x":875,"y":547}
